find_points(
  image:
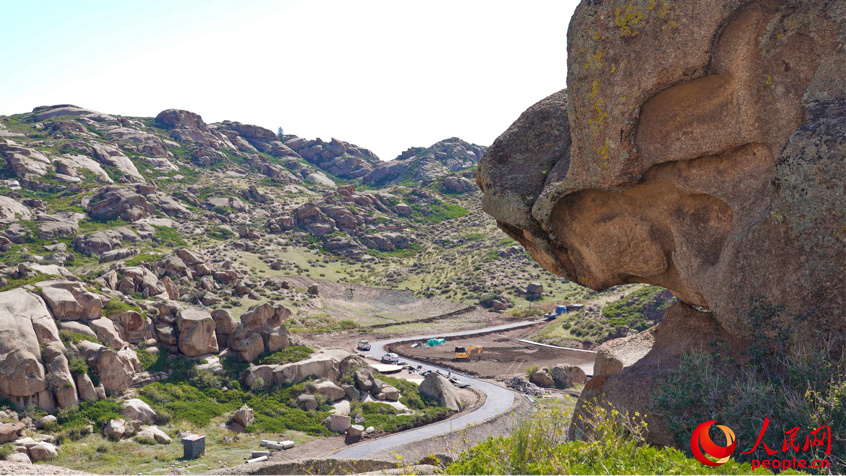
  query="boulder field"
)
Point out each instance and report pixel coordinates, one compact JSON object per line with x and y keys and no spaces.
{"x":699,"y":148}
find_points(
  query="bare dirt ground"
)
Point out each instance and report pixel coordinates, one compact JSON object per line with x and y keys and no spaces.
{"x":347,"y":340}
{"x":502,"y":355}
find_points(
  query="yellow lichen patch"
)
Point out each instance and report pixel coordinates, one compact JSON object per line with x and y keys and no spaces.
{"x":596,"y":105}
{"x":628,"y":19}
{"x":594,"y":61}
{"x":603,"y":153}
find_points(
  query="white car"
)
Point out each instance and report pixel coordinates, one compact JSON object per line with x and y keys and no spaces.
{"x":390,"y":358}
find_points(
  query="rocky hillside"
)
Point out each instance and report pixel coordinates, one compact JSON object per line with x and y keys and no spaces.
{"x":123,"y":237}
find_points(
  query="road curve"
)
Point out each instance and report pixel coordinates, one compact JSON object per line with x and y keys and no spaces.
{"x":498,"y":400}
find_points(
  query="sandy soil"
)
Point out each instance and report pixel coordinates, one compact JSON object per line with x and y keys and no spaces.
{"x":502,"y":355}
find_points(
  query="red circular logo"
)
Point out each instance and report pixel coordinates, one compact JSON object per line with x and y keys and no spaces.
{"x":701,"y":444}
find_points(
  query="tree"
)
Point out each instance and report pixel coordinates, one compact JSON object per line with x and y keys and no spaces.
{"x":280,"y":133}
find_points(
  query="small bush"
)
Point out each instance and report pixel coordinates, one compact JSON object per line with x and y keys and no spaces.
{"x":152,"y":362}
{"x":293,"y":353}
{"x":145,"y":440}
{"x":530,"y":370}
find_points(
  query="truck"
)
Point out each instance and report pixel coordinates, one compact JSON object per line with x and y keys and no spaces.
{"x":558,"y":311}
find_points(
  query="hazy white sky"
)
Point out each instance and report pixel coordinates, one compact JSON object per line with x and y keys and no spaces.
{"x":385,"y":75}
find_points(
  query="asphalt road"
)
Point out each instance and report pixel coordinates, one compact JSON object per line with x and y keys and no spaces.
{"x":498,"y":400}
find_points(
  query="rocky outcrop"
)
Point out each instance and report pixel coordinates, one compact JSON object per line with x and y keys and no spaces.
{"x":71,"y":301}
{"x":115,"y":369}
{"x":704,"y":160}
{"x":196,"y":332}
{"x":261,"y":329}
{"x":133,"y":204}
{"x":25,"y":325}
{"x":425,"y":165}
{"x":339,"y":158}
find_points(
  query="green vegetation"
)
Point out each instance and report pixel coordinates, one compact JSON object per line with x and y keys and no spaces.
{"x":17,"y":283}
{"x":116,"y":306}
{"x":220,"y":233}
{"x":152,"y":362}
{"x":411,"y":250}
{"x":143,"y":258}
{"x":614,"y":446}
{"x":69,"y":337}
{"x":795,"y":379}
{"x":169,"y":237}
{"x":639,"y":310}
{"x":437,"y":211}
{"x":89,"y":413}
{"x":293,"y":353}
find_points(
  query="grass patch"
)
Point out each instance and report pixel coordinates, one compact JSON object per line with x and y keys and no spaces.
{"x":169,"y":237}
{"x":152,"y":362}
{"x":116,"y":306}
{"x":538,"y":446}
{"x":89,"y":413}
{"x":293,"y":353}
{"x":144,"y":257}
{"x":17,"y":283}
{"x":413,"y":249}
{"x":639,"y":310}
{"x":436,"y":211}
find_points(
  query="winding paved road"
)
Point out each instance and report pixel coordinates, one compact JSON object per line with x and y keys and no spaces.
{"x":498,"y":400}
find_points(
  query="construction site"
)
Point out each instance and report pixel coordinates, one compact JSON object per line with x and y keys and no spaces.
{"x":493,"y":355}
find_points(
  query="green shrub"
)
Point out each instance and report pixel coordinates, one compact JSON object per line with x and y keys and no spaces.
{"x":538,"y":445}
{"x":293,"y":353}
{"x":530,"y":370}
{"x":70,"y":337}
{"x":89,"y":413}
{"x":145,"y":440}
{"x":152,"y":362}
{"x":116,"y":306}
{"x":794,"y":380}
{"x":169,"y":237}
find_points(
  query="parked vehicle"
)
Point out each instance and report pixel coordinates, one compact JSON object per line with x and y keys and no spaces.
{"x":390,"y":358}
{"x":363,"y":345}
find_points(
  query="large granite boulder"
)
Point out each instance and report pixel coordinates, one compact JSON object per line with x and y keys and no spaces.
{"x":699,"y":149}
{"x":196,"y":332}
{"x":25,"y":326}
{"x":115,"y":369}
{"x":442,"y":390}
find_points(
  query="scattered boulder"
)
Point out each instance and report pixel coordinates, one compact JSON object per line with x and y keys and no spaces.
{"x":331,"y":391}
{"x":10,"y":431}
{"x":43,"y":451}
{"x":135,"y":409}
{"x":244,"y":416}
{"x":337,"y":423}
{"x":154,"y":433}
{"x":307,"y":402}
{"x":442,"y":390}
{"x":542,"y":378}
{"x":115,"y":429}
{"x":19,"y":458}
{"x":355,"y":431}
{"x":566,"y":376}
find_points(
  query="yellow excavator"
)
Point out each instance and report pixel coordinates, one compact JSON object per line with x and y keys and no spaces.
{"x":461,"y":354}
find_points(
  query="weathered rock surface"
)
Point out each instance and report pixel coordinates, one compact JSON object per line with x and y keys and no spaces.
{"x":244,"y":416}
{"x":699,"y":149}
{"x":442,"y":390}
{"x":136,"y":409}
{"x":196,"y":332}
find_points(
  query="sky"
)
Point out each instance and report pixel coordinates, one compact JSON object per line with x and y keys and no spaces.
{"x":385,"y":75}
